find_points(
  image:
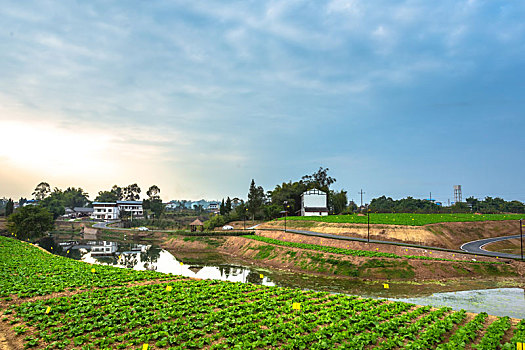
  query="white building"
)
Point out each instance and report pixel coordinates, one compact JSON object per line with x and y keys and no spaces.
{"x":134,"y":208}
{"x":314,"y":203}
{"x":111,"y":211}
{"x":104,"y":248}
{"x":105,"y":211}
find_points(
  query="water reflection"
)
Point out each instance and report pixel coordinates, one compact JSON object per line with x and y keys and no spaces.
{"x":150,"y":257}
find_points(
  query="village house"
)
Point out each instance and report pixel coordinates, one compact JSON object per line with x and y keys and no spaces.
{"x":112,"y":210}
{"x":314,"y":203}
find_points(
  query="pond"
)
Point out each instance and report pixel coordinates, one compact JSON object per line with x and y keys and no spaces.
{"x":473,"y":296}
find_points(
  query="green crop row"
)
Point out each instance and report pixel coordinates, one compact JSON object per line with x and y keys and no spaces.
{"x":406,"y":219}
{"x":28,"y":271}
{"x":184,"y":313}
{"x":354,"y":252}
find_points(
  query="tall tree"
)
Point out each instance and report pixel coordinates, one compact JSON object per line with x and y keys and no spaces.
{"x":22,"y":201}
{"x":118,"y":192}
{"x":75,"y":197}
{"x":9,"y":207}
{"x":222,"y":208}
{"x":338,"y":201}
{"x":31,"y":221}
{"x":255,"y":199}
{"x":319,"y":180}
{"x":54,"y":203}
{"x":42,"y":190}
{"x":153,"y":192}
{"x":228,"y":205}
{"x":106,"y":196}
{"x":131,"y":192}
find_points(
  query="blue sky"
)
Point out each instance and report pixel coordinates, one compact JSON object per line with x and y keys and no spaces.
{"x":400,"y":98}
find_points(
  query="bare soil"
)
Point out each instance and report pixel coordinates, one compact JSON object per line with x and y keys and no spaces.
{"x":450,"y":235}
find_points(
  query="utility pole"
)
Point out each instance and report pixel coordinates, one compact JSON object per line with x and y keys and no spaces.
{"x":521,"y":237}
{"x":431,"y":196}
{"x":368,"y":226}
{"x":361,"y":193}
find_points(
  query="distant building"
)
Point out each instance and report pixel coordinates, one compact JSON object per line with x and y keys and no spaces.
{"x":314,"y":203}
{"x":111,"y":210}
{"x":133,"y":207}
{"x":105,"y":211}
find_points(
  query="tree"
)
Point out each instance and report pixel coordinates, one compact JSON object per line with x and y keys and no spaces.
{"x":131,"y":192}
{"x":319,"y":180}
{"x":9,"y":207}
{"x":41,"y":191}
{"x":157,"y":207}
{"x":54,"y":203}
{"x":153,"y":192}
{"x":29,"y":222}
{"x":118,"y":192}
{"x":338,"y":201}
{"x":22,"y":201}
{"x":222,"y":208}
{"x":228,"y":205}
{"x":106,"y":196}
{"x":255,"y":199}
{"x":75,"y":197}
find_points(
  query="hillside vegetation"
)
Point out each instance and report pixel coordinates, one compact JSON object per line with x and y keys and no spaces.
{"x":80,"y":310}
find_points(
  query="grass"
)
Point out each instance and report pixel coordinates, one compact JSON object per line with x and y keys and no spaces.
{"x":406,"y":219}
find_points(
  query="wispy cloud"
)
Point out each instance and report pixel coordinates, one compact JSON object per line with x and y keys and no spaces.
{"x":192,"y":90}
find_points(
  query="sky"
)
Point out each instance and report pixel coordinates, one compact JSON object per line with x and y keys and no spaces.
{"x":398,"y":98}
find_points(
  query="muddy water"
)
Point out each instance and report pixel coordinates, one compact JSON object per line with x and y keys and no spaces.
{"x":473,"y":296}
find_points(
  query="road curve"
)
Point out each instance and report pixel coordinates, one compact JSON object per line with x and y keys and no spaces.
{"x":476,"y":247}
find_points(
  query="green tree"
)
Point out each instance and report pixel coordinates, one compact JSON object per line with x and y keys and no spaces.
{"x":42,"y":190}
{"x":157,"y":207}
{"x":30,"y":222}
{"x":54,"y":203}
{"x":228,"y":205}
{"x":153,"y":192}
{"x":118,"y":192}
{"x":222,"y":208}
{"x":75,"y":197}
{"x":22,"y":201}
{"x":107,"y":196}
{"x":338,"y":201}
{"x":131,"y":192}
{"x":319,"y":180}
{"x":255,"y":199}
{"x":9,"y":207}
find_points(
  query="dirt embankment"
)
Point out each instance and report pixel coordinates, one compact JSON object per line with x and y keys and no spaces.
{"x":449,"y":235}
{"x":372,"y":268}
{"x":512,"y":246}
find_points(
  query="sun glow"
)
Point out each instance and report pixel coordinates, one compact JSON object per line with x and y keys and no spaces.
{"x":49,"y":149}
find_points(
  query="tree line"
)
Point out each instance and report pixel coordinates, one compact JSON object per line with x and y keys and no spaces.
{"x":488,"y":205}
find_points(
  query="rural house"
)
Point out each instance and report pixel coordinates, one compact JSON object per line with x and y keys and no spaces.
{"x":314,"y":203}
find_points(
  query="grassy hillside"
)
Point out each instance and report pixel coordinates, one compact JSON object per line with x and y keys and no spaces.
{"x":407,"y":218}
{"x":116,"y":308}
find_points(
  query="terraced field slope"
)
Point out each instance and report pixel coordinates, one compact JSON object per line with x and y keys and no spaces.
{"x":52,"y":302}
{"x":407,"y":218}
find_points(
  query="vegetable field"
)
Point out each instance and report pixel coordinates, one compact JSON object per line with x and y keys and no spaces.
{"x":406,"y":219}
{"x":153,"y":311}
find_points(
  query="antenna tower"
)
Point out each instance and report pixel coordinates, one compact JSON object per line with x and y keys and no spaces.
{"x":457,"y":194}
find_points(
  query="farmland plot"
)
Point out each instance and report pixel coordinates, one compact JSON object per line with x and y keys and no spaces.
{"x":166,"y":311}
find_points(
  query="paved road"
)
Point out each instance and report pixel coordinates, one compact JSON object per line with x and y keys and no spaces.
{"x":477,"y":247}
